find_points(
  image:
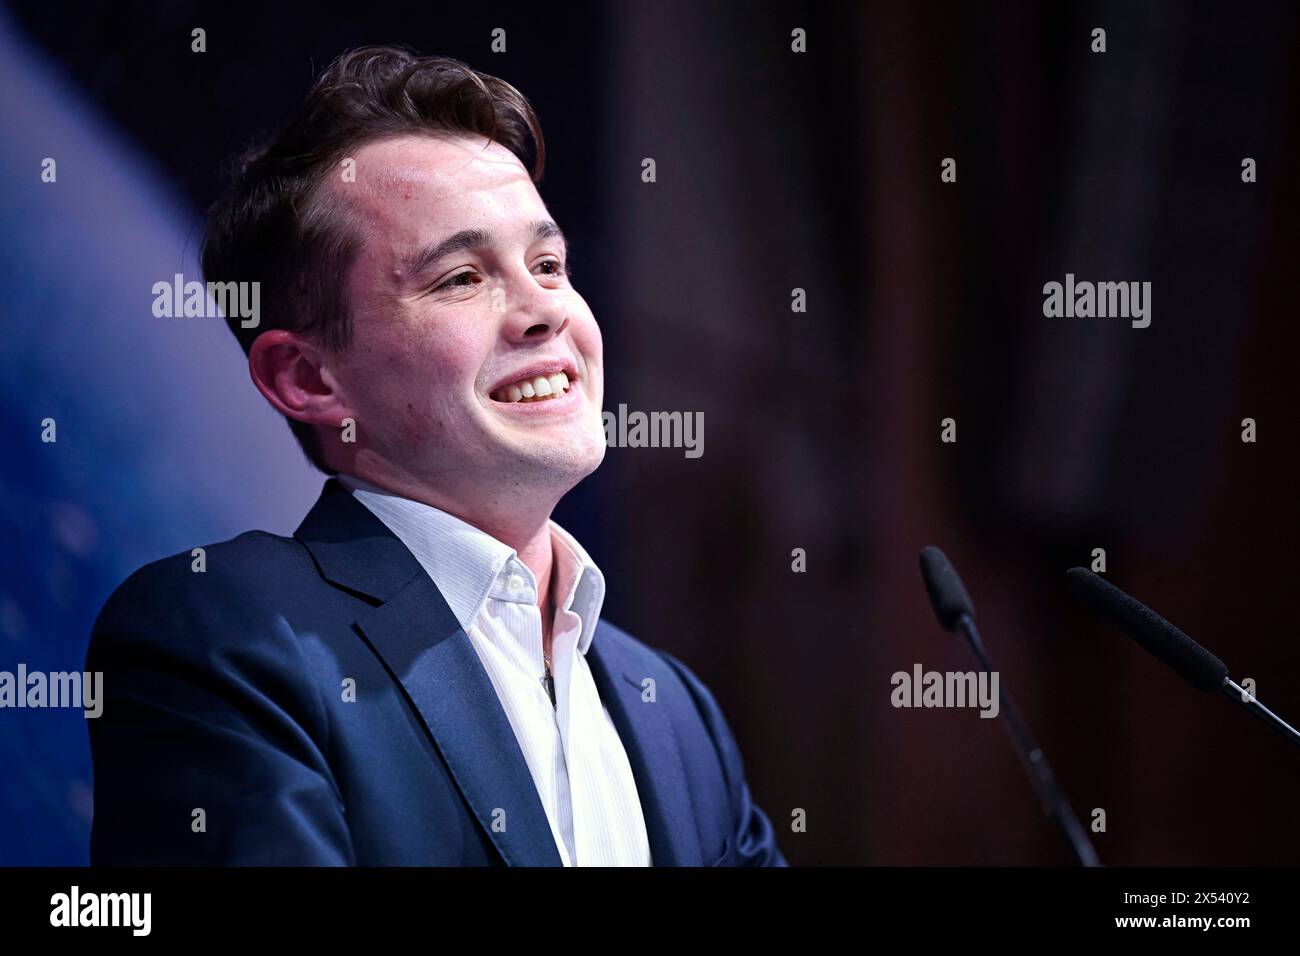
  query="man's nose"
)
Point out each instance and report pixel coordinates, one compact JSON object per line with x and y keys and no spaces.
{"x":532,"y":313}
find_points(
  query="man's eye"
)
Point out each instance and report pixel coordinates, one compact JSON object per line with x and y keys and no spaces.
{"x":460,"y":279}
{"x":551,"y":267}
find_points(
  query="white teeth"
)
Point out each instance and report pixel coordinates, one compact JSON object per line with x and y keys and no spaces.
{"x":537,"y":388}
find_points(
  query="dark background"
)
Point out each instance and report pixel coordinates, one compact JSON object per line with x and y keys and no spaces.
{"x":775,"y":170}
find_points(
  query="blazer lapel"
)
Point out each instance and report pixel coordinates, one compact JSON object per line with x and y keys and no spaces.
{"x":420,"y":641}
{"x":651,"y":745}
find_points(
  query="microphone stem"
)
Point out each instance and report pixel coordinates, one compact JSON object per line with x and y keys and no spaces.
{"x":1031,"y":756}
{"x":1248,"y":702}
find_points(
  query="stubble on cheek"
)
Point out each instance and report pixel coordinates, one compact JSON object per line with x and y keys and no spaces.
{"x":420,"y":427}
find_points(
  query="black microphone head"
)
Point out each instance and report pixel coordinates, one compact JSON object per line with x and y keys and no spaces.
{"x":947,"y":596}
{"x":1197,"y":665}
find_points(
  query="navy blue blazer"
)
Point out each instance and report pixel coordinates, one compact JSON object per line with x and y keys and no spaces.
{"x":226,"y":739}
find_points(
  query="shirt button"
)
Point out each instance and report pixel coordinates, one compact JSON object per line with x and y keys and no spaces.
{"x":514,"y":583}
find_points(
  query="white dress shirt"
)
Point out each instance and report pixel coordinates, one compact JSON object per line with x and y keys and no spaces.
{"x":573,"y":752}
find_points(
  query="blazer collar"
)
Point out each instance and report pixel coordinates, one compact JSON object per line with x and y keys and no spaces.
{"x":414,"y":631}
{"x":353,"y":548}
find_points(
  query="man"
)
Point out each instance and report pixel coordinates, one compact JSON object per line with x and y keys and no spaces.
{"x":420,"y":674}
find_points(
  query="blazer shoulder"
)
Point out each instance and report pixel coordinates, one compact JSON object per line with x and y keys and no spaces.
{"x":636,"y":656}
{"x":246,"y":558}
{"x":625,"y":642}
{"x":652,"y":661}
{"x":241,"y":573}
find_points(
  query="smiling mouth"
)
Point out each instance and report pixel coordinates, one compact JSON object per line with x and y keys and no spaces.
{"x":535,"y":388}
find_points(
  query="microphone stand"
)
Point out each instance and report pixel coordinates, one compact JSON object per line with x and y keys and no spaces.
{"x":1248,"y":702}
{"x":1031,"y":757}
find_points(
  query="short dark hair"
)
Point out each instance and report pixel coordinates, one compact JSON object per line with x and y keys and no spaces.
{"x":271,"y":225}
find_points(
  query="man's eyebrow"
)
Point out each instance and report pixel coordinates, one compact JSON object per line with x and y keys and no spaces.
{"x":458,"y":242}
{"x":545,"y":229}
{"x":475,"y":239}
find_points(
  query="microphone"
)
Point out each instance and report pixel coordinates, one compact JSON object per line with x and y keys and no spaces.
{"x":953,"y":607}
{"x":1168,"y":644}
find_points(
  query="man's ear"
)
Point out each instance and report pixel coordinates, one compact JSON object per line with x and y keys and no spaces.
{"x":287,"y":370}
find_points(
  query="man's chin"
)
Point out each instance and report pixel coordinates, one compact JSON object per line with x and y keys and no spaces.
{"x":563,"y":459}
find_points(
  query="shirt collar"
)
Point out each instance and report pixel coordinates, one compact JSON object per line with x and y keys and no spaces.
{"x":469,"y":566}
{"x":579,"y":584}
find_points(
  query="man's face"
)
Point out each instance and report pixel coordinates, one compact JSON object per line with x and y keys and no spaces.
{"x":474,"y":367}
